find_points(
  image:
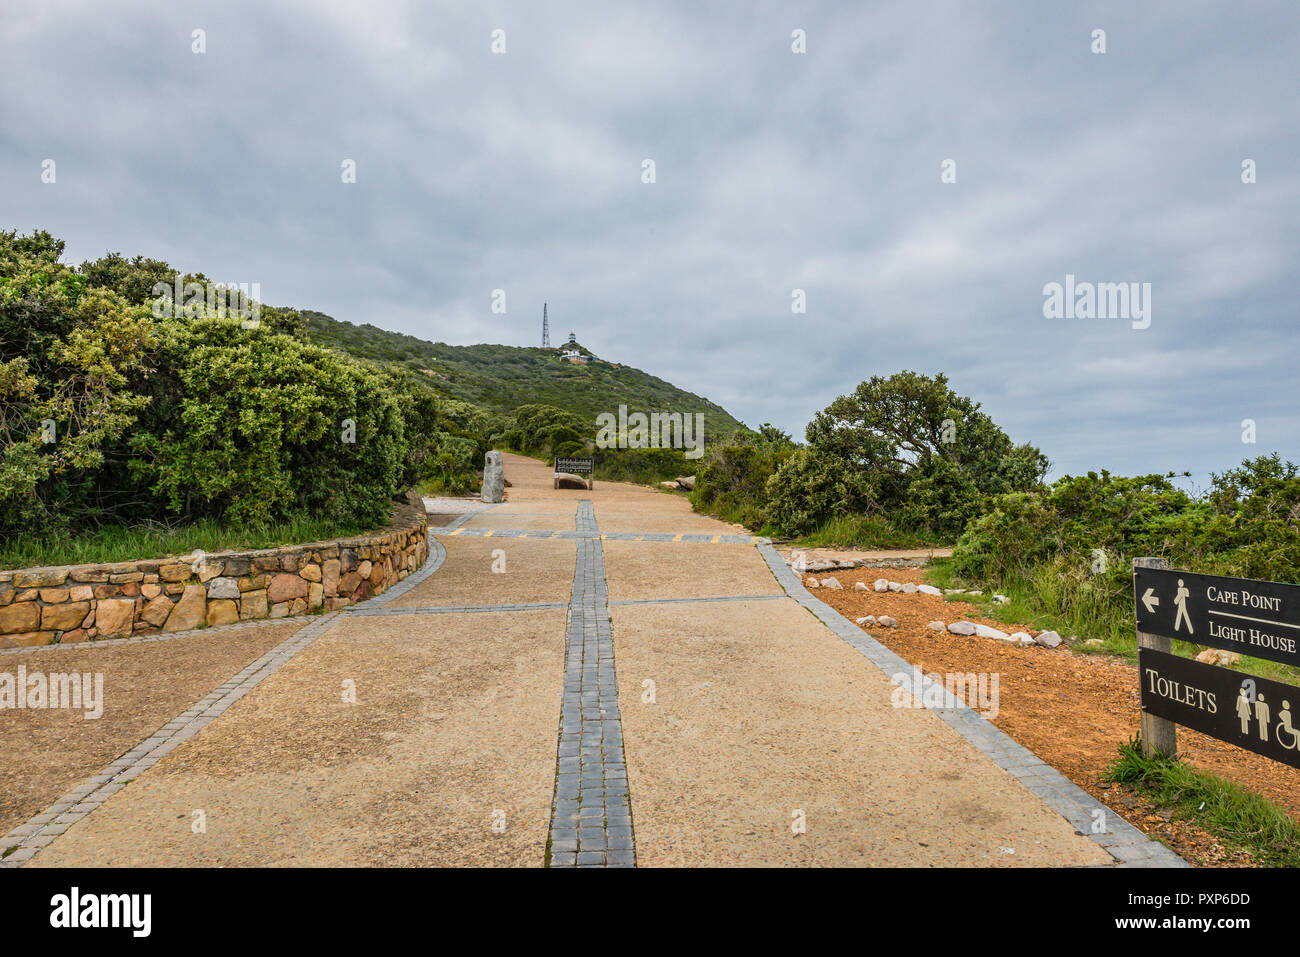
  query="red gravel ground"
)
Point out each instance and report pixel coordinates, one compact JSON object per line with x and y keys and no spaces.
{"x":1072,"y":710}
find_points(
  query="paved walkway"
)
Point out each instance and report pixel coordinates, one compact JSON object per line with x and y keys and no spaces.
{"x":704,"y":717}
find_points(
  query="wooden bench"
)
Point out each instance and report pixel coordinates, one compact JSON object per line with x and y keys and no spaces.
{"x":576,"y":466}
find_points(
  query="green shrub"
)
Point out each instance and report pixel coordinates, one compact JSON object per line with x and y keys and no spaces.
{"x":191,"y":419}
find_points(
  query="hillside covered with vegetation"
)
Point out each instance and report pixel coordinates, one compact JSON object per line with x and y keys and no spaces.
{"x":503,"y":378}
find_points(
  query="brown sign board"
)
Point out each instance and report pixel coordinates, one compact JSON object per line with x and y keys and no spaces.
{"x":1257,"y":714}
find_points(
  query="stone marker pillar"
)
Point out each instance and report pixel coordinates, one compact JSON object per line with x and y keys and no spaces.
{"x":494,"y":477}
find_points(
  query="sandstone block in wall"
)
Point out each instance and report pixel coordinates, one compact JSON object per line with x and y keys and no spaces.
{"x":21,"y":617}
{"x":286,"y":587}
{"x":114,"y":616}
{"x":64,"y":617}
{"x":253,"y":605}
{"x":27,"y":639}
{"x":156,"y":611}
{"x":330,"y":576}
{"x":222,"y":611}
{"x":174,"y":572}
{"x":190,"y":611}
{"x":41,"y":577}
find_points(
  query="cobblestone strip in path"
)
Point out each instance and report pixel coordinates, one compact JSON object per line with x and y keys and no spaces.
{"x":591,"y":820}
{"x":165,"y":636}
{"x":43,"y":828}
{"x":1124,"y":842}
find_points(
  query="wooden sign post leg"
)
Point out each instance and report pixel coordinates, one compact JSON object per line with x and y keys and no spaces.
{"x":1158,"y":734}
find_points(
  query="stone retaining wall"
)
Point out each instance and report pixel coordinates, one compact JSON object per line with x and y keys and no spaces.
{"x":67,"y":603}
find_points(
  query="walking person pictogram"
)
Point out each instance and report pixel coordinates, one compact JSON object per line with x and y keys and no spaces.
{"x":1180,"y":599}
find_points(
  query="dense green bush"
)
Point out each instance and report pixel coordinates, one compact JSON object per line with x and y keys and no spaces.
{"x":1089,"y":528}
{"x":644,"y":466}
{"x":904,"y":447}
{"x":731,"y":479}
{"x":161,"y":419}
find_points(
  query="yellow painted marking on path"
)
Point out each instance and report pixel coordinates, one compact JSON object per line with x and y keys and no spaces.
{"x":457,"y":532}
{"x":715,"y":539}
{"x":678,"y":536}
{"x":488,"y":533}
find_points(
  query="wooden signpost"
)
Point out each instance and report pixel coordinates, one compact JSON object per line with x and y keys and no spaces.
{"x":1256,"y":618}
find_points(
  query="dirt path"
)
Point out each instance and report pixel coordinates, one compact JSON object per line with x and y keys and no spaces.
{"x":421,"y":728}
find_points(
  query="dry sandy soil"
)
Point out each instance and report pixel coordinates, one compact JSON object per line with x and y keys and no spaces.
{"x":44,"y":753}
{"x":1072,"y":710}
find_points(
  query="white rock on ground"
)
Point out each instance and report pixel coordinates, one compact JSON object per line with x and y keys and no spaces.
{"x":1001,"y":600}
{"x":954,"y":591}
{"x":886,"y":622}
{"x":860,"y":586}
{"x":1048,"y":639}
{"x":909,"y":588}
{"x":984,"y":631}
{"x":928,"y":590}
{"x":894,"y":586}
{"x":831,"y":583}
{"x":1215,"y":656}
{"x":867,"y":620}
{"x":812,"y":583}
{"x":936,"y":626}
{"x":881,"y":585}
{"x":962,"y":628}
{"x":974,"y":593}
{"x":1022,"y":638}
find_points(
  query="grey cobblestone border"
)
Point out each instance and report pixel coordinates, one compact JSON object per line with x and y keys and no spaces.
{"x":42,"y":829}
{"x":1124,"y":842}
{"x":163,"y":636}
{"x":591,"y":818}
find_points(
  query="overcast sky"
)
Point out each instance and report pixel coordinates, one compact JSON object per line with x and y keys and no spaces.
{"x":775,"y":171}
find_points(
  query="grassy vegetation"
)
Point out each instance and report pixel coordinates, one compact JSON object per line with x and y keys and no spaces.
{"x":1236,"y":816}
{"x":865,"y":532}
{"x":120,"y":544}
{"x":503,"y":378}
{"x":1076,"y":606}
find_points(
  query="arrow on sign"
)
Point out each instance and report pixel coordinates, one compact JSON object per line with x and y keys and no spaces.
{"x":1150,"y":600}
